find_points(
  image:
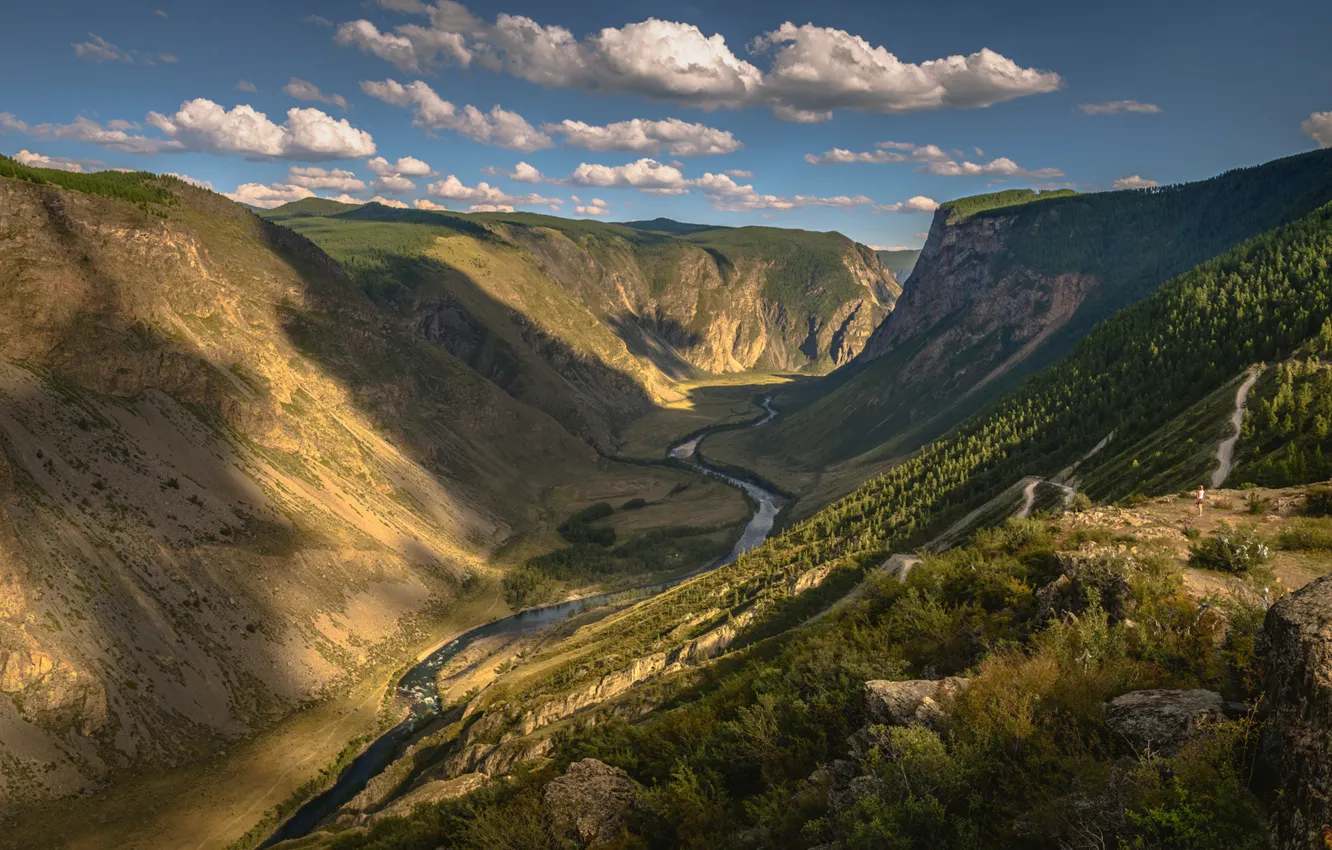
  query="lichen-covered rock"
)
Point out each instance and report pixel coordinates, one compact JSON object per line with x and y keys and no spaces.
{"x":1297,"y":645}
{"x":1162,"y":720}
{"x":914,"y":702}
{"x":590,"y":800}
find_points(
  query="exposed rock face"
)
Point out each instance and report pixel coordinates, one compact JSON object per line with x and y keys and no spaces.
{"x":590,"y":800}
{"x":911,"y":703}
{"x":1162,"y":720}
{"x":1297,"y":646}
{"x":434,"y":791}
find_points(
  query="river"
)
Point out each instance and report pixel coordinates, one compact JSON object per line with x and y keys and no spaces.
{"x":417,"y":688}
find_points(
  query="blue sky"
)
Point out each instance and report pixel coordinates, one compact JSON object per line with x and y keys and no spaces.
{"x":829,"y":116}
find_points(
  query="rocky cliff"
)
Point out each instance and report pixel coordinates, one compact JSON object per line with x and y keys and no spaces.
{"x":644,"y":305}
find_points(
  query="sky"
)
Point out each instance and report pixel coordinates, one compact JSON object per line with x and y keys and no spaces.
{"x":846,"y":116}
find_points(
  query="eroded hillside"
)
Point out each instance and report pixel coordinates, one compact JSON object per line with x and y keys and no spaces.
{"x":549,"y":308}
{"x":230,"y":483}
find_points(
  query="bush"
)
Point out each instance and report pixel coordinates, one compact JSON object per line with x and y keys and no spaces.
{"x":1306,"y":534}
{"x":1230,"y":550}
{"x":1256,"y":504}
{"x":634,"y":504}
{"x":1081,"y":502}
{"x":1318,"y":501}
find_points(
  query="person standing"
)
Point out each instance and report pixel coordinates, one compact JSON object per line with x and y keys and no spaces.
{"x":1200,"y":496}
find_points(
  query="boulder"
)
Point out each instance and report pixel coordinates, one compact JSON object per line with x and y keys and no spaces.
{"x":914,"y":702}
{"x":1296,"y":644}
{"x":590,"y":800}
{"x":1162,"y":720}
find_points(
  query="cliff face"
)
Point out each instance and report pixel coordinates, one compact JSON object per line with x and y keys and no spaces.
{"x":226,"y":480}
{"x":599,"y":303}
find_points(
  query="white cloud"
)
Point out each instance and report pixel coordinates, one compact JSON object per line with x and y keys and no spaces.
{"x":498,"y":127}
{"x":202,"y":184}
{"x":388,"y":202}
{"x":159,"y":13}
{"x":268,"y":196}
{"x":245,"y":85}
{"x":490,"y":208}
{"x":1135,"y":182}
{"x":1115,"y":106}
{"x":113,"y":136}
{"x":10,"y":122}
{"x":305,"y":90}
{"x":308,"y":134}
{"x":36,"y":160}
{"x":426,"y":204}
{"x":675,"y":137}
{"x":522,"y":172}
{"x":646,"y":174}
{"x":336,"y":179}
{"x":344,"y":198}
{"x":931,"y":159}
{"x":1318,"y":125}
{"x":406,"y":166}
{"x":596,"y":207}
{"x":740,"y":173}
{"x":812,"y":70}
{"x":917,"y":204}
{"x":453,"y":189}
{"x":394,"y":183}
{"x":99,"y":49}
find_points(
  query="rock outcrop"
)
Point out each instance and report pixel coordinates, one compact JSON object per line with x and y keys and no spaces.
{"x":1297,"y":647}
{"x":590,"y":800}
{"x":916,"y":702}
{"x":1162,"y":720}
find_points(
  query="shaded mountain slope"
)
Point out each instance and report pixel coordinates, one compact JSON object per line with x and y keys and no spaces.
{"x":227,"y":480}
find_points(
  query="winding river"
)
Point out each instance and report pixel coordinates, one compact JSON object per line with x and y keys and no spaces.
{"x":417,"y":688}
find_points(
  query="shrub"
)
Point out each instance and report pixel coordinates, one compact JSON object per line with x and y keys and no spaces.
{"x":1230,"y":550}
{"x":634,"y":504}
{"x":1306,"y":534}
{"x":1192,"y":533}
{"x":1256,"y":504}
{"x":1318,"y":501}
{"x":1081,"y":502}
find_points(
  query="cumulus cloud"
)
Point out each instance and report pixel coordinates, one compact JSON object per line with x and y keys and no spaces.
{"x":498,"y":127}
{"x":596,"y":207}
{"x":336,"y":179}
{"x":202,"y":125}
{"x":388,"y":202}
{"x":740,"y":173}
{"x":490,"y":208}
{"x":918,"y":204}
{"x":202,"y":184}
{"x":1134,"y":182}
{"x":427,"y":204}
{"x":812,"y":71}
{"x":307,"y":134}
{"x":245,"y":85}
{"x":1318,"y":125}
{"x":1114,"y":106}
{"x":930,"y":159}
{"x":406,"y":166}
{"x":646,"y":174}
{"x":673,"y":136}
{"x":36,"y":160}
{"x":267,"y":196}
{"x":483,"y":194}
{"x":305,"y":90}
{"x":98,"y":49}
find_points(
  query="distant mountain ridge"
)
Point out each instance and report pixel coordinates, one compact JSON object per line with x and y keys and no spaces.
{"x":656,"y":301}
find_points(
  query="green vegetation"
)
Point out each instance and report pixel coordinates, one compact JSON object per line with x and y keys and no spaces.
{"x":1286,"y":437}
{"x":1306,"y":534}
{"x":137,"y":187}
{"x":1130,"y":242}
{"x":1230,"y":550}
{"x":1004,"y":201}
{"x":578,"y":528}
{"x":1024,"y":759}
{"x":1318,"y":501}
